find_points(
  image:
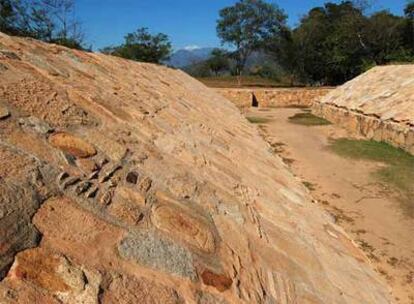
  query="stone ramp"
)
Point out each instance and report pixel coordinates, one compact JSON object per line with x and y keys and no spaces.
{"x":134,"y":183}
{"x":378,"y":104}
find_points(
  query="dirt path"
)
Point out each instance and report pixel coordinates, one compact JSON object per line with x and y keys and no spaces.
{"x":360,"y":203}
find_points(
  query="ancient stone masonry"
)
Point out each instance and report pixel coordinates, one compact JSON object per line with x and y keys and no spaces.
{"x":371,"y":127}
{"x":302,"y":97}
{"x":378,"y":105}
{"x":123,"y":182}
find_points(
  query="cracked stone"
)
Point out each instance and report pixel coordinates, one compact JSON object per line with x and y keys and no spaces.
{"x":62,"y":176}
{"x":70,"y":182}
{"x":107,"y":174}
{"x":93,"y":175}
{"x":93,"y":190}
{"x":106,"y":198}
{"x":4,"y":112}
{"x":83,"y":187}
{"x":144,"y":185}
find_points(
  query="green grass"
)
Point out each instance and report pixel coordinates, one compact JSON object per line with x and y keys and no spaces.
{"x":308,"y":119}
{"x":399,"y":169}
{"x":257,"y":120}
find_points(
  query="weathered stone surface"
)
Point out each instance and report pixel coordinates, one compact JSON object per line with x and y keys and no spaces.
{"x":132,"y":177}
{"x":35,"y":124}
{"x":123,"y":290}
{"x":219,"y":281}
{"x":87,"y":165}
{"x":145,"y":184}
{"x":108,"y":172}
{"x":17,"y":206}
{"x":72,"y":145}
{"x":77,"y":232}
{"x":42,"y":269}
{"x":243,"y":98}
{"x":55,"y":274}
{"x":377,"y":105}
{"x":178,"y":223}
{"x":207,"y":298}
{"x":232,"y":208}
{"x":4,"y":112}
{"x":153,"y":250}
{"x":127,"y":206}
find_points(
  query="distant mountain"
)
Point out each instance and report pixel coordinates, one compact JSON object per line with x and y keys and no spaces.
{"x":189,"y":56}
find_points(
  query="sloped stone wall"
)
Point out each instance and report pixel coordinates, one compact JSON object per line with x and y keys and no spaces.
{"x":147,"y":187}
{"x":371,"y":127}
{"x":379,"y":104}
{"x":280,"y":97}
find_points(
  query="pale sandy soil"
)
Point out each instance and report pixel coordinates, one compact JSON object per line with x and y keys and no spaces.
{"x":366,"y":208}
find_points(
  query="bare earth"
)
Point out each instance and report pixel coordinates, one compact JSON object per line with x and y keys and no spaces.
{"x":362,"y":205}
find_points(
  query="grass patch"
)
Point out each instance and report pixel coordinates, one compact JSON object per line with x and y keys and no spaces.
{"x":308,"y":119}
{"x":399,"y":169}
{"x":257,"y":120}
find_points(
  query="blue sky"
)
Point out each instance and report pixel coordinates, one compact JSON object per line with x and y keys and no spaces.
{"x":186,"y":22}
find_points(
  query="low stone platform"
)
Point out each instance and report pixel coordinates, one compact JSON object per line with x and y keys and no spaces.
{"x":277,"y":97}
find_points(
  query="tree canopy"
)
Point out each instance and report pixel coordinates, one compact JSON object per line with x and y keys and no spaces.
{"x":338,"y":41}
{"x":246,"y":25}
{"x":218,"y":61}
{"x":143,"y":46}
{"x":48,"y":20}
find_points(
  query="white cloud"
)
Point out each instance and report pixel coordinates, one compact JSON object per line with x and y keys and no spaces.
{"x":191,"y":47}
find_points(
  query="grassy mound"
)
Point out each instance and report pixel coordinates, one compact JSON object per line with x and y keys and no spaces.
{"x":308,"y":119}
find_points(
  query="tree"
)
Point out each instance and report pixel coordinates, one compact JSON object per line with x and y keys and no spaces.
{"x":409,"y":27}
{"x":219,"y":61}
{"x":54,"y":21}
{"x":247,"y":25}
{"x":385,"y":37}
{"x":328,"y":46}
{"x":48,"y":20}
{"x":143,"y":46}
{"x":14,"y":19}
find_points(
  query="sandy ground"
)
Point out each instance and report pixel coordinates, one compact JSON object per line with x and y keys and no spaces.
{"x":362,"y":205}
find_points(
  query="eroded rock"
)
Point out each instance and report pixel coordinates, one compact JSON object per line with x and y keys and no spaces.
{"x":35,"y":124}
{"x":132,"y":177}
{"x":55,"y":274}
{"x":219,"y":281}
{"x":181,"y":225}
{"x":123,"y":289}
{"x":4,"y":112}
{"x":73,"y":145}
{"x":151,"y":249}
{"x":229,"y":234}
{"x":17,"y":206}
